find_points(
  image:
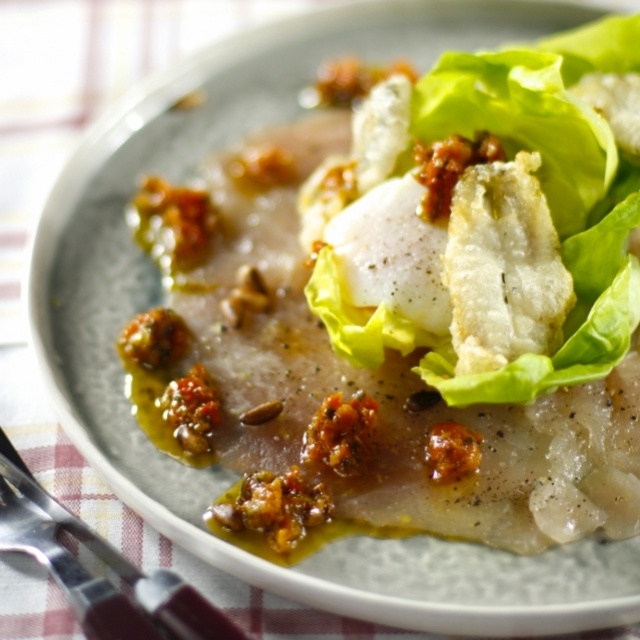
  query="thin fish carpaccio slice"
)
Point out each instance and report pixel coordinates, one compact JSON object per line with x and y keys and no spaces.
{"x":551,"y":472}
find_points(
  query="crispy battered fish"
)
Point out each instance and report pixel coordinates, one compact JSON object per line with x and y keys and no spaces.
{"x":617,"y":97}
{"x":509,"y":289}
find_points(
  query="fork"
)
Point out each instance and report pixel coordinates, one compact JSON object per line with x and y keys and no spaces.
{"x":103,"y":612}
{"x":179,"y":609}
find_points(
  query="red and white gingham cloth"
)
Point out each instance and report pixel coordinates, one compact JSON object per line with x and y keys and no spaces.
{"x":63,"y":62}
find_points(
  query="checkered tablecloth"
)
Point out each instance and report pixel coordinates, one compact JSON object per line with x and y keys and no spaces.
{"x":62,"y":63}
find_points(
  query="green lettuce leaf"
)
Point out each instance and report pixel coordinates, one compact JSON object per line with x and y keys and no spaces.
{"x":607,"y":284}
{"x":520,"y":96}
{"x":358,"y":335}
{"x":608,"y":45}
{"x":626,"y":182}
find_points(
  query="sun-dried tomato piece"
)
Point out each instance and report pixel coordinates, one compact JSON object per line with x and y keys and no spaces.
{"x":340,"y":435}
{"x":452,"y":452}
{"x":155,"y":339}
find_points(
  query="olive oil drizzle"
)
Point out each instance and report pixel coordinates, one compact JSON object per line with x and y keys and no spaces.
{"x":143,"y":389}
{"x":314,"y":539}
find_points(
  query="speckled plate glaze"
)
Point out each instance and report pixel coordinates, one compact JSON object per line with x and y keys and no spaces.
{"x":87,"y":279}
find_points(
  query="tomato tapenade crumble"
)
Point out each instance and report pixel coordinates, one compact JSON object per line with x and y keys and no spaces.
{"x":262,"y":168}
{"x":342,"y":82}
{"x":280,"y":507}
{"x":341,"y":433}
{"x":452,"y":452}
{"x":155,"y":339}
{"x":181,"y":409}
{"x":173,"y":224}
{"x":440,"y":165}
{"x":191,"y":406}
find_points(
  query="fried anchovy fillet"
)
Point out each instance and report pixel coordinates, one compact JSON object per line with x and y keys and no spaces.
{"x":380,"y":132}
{"x":617,"y":98}
{"x":509,"y":289}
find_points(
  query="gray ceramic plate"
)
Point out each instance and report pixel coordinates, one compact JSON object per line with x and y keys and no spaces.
{"x":88,"y":279}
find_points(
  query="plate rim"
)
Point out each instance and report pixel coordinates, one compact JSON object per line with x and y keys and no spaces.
{"x":143,"y":102}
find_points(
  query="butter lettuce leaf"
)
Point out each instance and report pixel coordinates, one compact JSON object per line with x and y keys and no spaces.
{"x":607,"y":284}
{"x":520,"y":96}
{"x":626,"y":182}
{"x":608,"y":45}
{"x":361,"y":335}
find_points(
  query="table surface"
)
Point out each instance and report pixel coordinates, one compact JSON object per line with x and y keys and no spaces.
{"x":63,"y":63}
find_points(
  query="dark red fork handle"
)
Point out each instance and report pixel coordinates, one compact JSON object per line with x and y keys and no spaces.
{"x":178,"y":607}
{"x":106,"y":614}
